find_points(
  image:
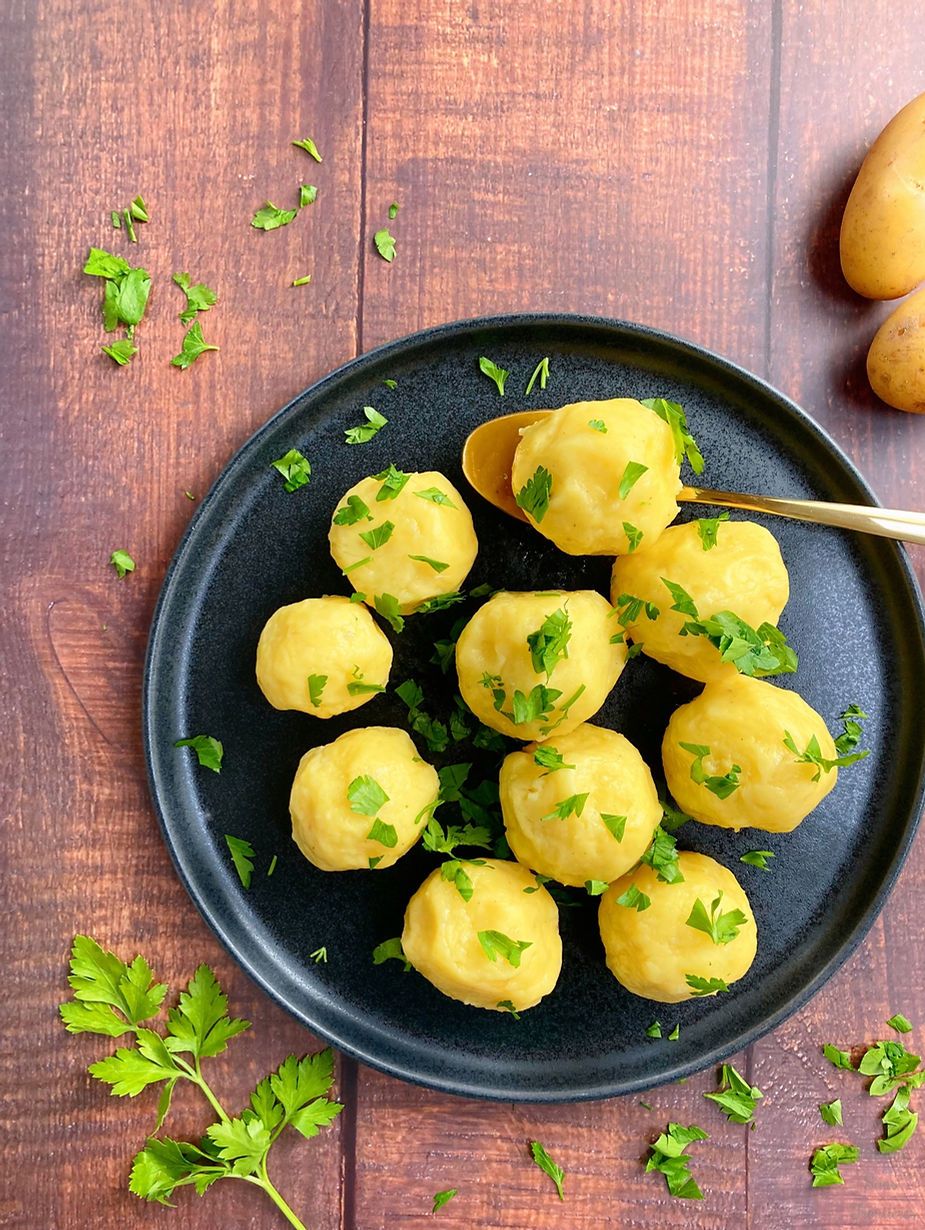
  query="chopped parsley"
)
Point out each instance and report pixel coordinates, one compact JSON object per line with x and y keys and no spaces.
{"x":900,"y":1023}
{"x":507,"y":1005}
{"x":122,"y":562}
{"x":758,"y":652}
{"x":541,"y":372}
{"x":598,"y":425}
{"x":198,"y":298}
{"x":307,"y":195}
{"x":294,"y":468}
{"x":549,"y":644}
{"x":242,"y":855}
{"x":121,"y":351}
{"x":757,"y":858}
{"x":393,"y":213}
{"x":684,"y":443}
{"x":736,"y":1098}
{"x":654,"y":1030}
{"x":358,"y":687}
{"x":125,"y":297}
{"x":533,"y":497}
{"x":208,"y":751}
{"x":890,"y":1064}
{"x":721,"y":928}
{"x":900,"y":1122}
{"x":534,"y":707}
{"x":374,"y":423}
{"x":319,"y":956}
{"x":194,"y":344}
{"x":302,"y":281}
{"x":704,"y":986}
{"x":440,"y":1198}
{"x":436,"y":496}
{"x":366,"y":795}
{"x":547,"y":1165}
{"x":615,"y":825}
{"x":353,"y":511}
{"x":825,"y":1163}
{"x":384,"y":834}
{"x":662,"y":857}
{"x":390,"y":950}
{"x":812,"y":754}
{"x":493,"y":372}
{"x":315,"y":688}
{"x":632,"y":473}
{"x":840,"y":1059}
{"x":495,"y":943}
{"x":574,"y":805}
{"x":269,"y":218}
{"x":633,"y":535}
{"x":707,"y":528}
{"x":667,"y":1157}
{"x":310,"y":148}
{"x":722,"y":786}
{"x":389,"y":608}
{"x":385,"y":244}
{"x":393,"y":481}
{"x":436,"y":564}
{"x":628,"y":609}
{"x":594,"y":888}
{"x":378,"y":536}
{"x":682,"y":601}
{"x":831,"y":1113}
{"x":633,"y":899}
{"x":433,"y":732}
{"x":548,"y":758}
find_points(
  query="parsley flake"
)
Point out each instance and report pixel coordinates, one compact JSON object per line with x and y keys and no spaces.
{"x":122,"y":562}
{"x":198,"y":298}
{"x":269,"y":218}
{"x":900,"y":1023}
{"x":319,"y":956}
{"x":598,"y":425}
{"x":208,"y":751}
{"x":633,"y":899}
{"x":366,"y":795}
{"x":315,"y":688}
{"x":548,"y":758}
{"x":507,"y":1005}
{"x":757,"y":858}
{"x":812,"y":754}
{"x":362,"y":435}
{"x":378,"y":536}
{"x":616,"y":825}
{"x":684,"y":443}
{"x":840,"y":1059}
{"x":194,"y":344}
{"x":393,"y":481}
{"x":549,"y":644}
{"x":440,"y":1198}
{"x":541,"y":372}
{"x":825,"y":1163}
{"x":633,"y":535}
{"x":436,"y":564}
{"x":547,"y":1165}
{"x":302,"y":281}
{"x":389,"y":608}
{"x":493,"y":372}
{"x":704,"y":986}
{"x":385,"y":834}
{"x":294,"y":468}
{"x":390,"y":950}
{"x":831,"y":1113}
{"x":385,"y":244}
{"x":721,"y":928}
{"x":435,"y":495}
{"x":433,"y":732}
{"x":534,"y":495}
{"x":722,"y":786}
{"x":900,"y":1122}
{"x":353,"y":511}
{"x":574,"y":805}
{"x":242,"y":855}
{"x":121,"y":351}
{"x":662,"y":857}
{"x":495,"y":943}
{"x":736,"y":1098}
{"x":707,"y":528}
{"x":310,"y":148}
{"x":632,"y":473}
{"x":667,"y":1157}
{"x":307,"y":195}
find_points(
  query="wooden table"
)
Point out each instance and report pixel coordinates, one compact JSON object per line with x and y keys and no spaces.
{"x":682,"y":164}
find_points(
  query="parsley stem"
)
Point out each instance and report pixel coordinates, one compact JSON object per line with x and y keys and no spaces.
{"x":263,"y":1180}
{"x":199,"y":1079}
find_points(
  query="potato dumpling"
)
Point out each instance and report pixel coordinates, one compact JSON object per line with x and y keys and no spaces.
{"x":531,"y":665}
{"x":652,"y":951}
{"x":744,"y":722}
{"x":742,"y":572}
{"x":500,"y":949}
{"x":598,"y":477}
{"x":896,"y":359}
{"x":590,"y":819}
{"x":882,"y":238}
{"x":322,"y":656}
{"x":358,"y":802}
{"x":403,"y":538}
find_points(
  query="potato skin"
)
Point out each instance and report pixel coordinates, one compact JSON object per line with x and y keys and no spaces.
{"x":494,"y":644}
{"x":326,"y":828}
{"x":651,"y":951}
{"x":743,"y":721}
{"x":586,"y":512}
{"x":882,"y":242}
{"x":440,"y":530}
{"x":329,"y":636}
{"x":576,"y":848}
{"x":440,"y":936}
{"x":896,"y":359}
{"x":743,"y":572}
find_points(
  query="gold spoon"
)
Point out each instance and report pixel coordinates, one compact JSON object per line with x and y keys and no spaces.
{"x":488,"y":455}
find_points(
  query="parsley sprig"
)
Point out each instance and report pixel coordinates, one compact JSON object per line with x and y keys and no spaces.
{"x":721,"y":928}
{"x":669,"y":1158}
{"x":114,"y":999}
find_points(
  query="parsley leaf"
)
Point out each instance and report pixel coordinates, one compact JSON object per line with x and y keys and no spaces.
{"x":654,"y":1030}
{"x":310,"y":148}
{"x":736,"y":1098}
{"x":378,"y":536}
{"x":633,"y":899}
{"x":534,"y":707}
{"x":628,"y":608}
{"x":547,"y":1165}
{"x":242,"y":855}
{"x":549,"y":644}
{"x":493,"y":372}
{"x":307,"y":195}
{"x":436,"y":496}
{"x":393,"y":481}
{"x":389,"y":608}
{"x":122,"y":562}
{"x":121,"y":351}
{"x":900,"y":1023}
{"x":574,"y":805}
{"x":441,"y":1198}
{"x":759,"y":652}
{"x":102,"y":264}
{"x":432,"y":731}
{"x":723,"y":786}
{"x":683,"y":602}
{"x":616,"y":825}
{"x":632,"y":473}
{"x":900,"y":1122}
{"x":757,"y":858}
{"x":548,"y":758}
{"x":385,"y":244}
{"x":353,"y":511}
{"x":825,"y":1163}
{"x":684,"y":443}
{"x":890,"y":1064}
{"x":594,"y":888}
{"x":208,"y":751}
{"x":831,"y":1113}
{"x":198,"y":298}
{"x":704,"y":986}
{"x":541,"y":371}
{"x":269,"y":217}
{"x":841,"y":1059}
{"x":385,"y":834}
{"x":662,"y":857}
{"x":721,"y":928}
{"x":302,"y":281}
{"x":436,"y":564}
{"x":667,"y":1157}
{"x":366,"y":795}
{"x":633,"y":536}
{"x":315,"y":688}
{"x":812,"y":754}
{"x":294,"y":468}
{"x":194,"y":344}
{"x":708,"y":527}
{"x":390,"y":950}
{"x":103,"y":987}
{"x":533,"y":497}
{"x":496,"y":942}
{"x":598,"y":425}
{"x":361,"y":435}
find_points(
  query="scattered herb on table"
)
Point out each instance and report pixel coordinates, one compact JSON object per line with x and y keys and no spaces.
{"x":209,"y":751}
{"x":269,"y":218}
{"x":122,"y":562}
{"x":900,"y":1023}
{"x":112,"y":999}
{"x":310,"y":148}
{"x":547,"y":1165}
{"x":125,"y":297}
{"x":308,"y":194}
{"x":831,"y":1112}
{"x":442,"y":1198}
{"x":194,"y":344}
{"x":826,"y":1161}
{"x":736,"y":1098}
{"x":199,"y":298}
{"x":668,"y":1157}
{"x":122,"y":351}
{"x":303,"y":281}
{"x":385,"y":244}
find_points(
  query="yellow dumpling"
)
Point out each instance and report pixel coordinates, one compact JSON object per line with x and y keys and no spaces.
{"x":500,"y":949}
{"x":362,"y":800}
{"x":598,"y":477}
{"x":401,"y":539}
{"x":531,"y":665}
{"x":743,"y":723}
{"x":579,"y":807}
{"x":653,"y":951}
{"x":323,"y":656}
{"x":742,"y":572}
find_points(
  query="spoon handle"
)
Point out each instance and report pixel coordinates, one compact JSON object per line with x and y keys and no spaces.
{"x":887,"y":522}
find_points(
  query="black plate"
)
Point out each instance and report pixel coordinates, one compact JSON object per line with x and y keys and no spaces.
{"x":855,"y":617}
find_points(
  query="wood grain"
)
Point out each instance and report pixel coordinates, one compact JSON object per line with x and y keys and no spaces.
{"x":680,"y":164}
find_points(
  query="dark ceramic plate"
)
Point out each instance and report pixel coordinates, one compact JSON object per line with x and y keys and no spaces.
{"x":855,"y":617}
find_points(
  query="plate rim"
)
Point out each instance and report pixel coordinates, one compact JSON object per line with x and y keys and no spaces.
{"x":619,"y":330}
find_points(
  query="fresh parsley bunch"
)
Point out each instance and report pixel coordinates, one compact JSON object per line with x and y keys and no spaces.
{"x":113,"y":999}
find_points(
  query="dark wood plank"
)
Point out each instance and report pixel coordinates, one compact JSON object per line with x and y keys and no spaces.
{"x":195,"y":109}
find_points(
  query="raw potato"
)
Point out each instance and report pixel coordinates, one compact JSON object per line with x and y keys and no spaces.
{"x":743,"y":721}
{"x":650,"y":952}
{"x":441,"y":936}
{"x":743,"y":573}
{"x":330,"y":637}
{"x":883,"y":229}
{"x":437,"y":529}
{"x":579,"y":847}
{"x":493,"y":656}
{"x":326,"y":824}
{"x":896,"y":359}
{"x":586,"y":513}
